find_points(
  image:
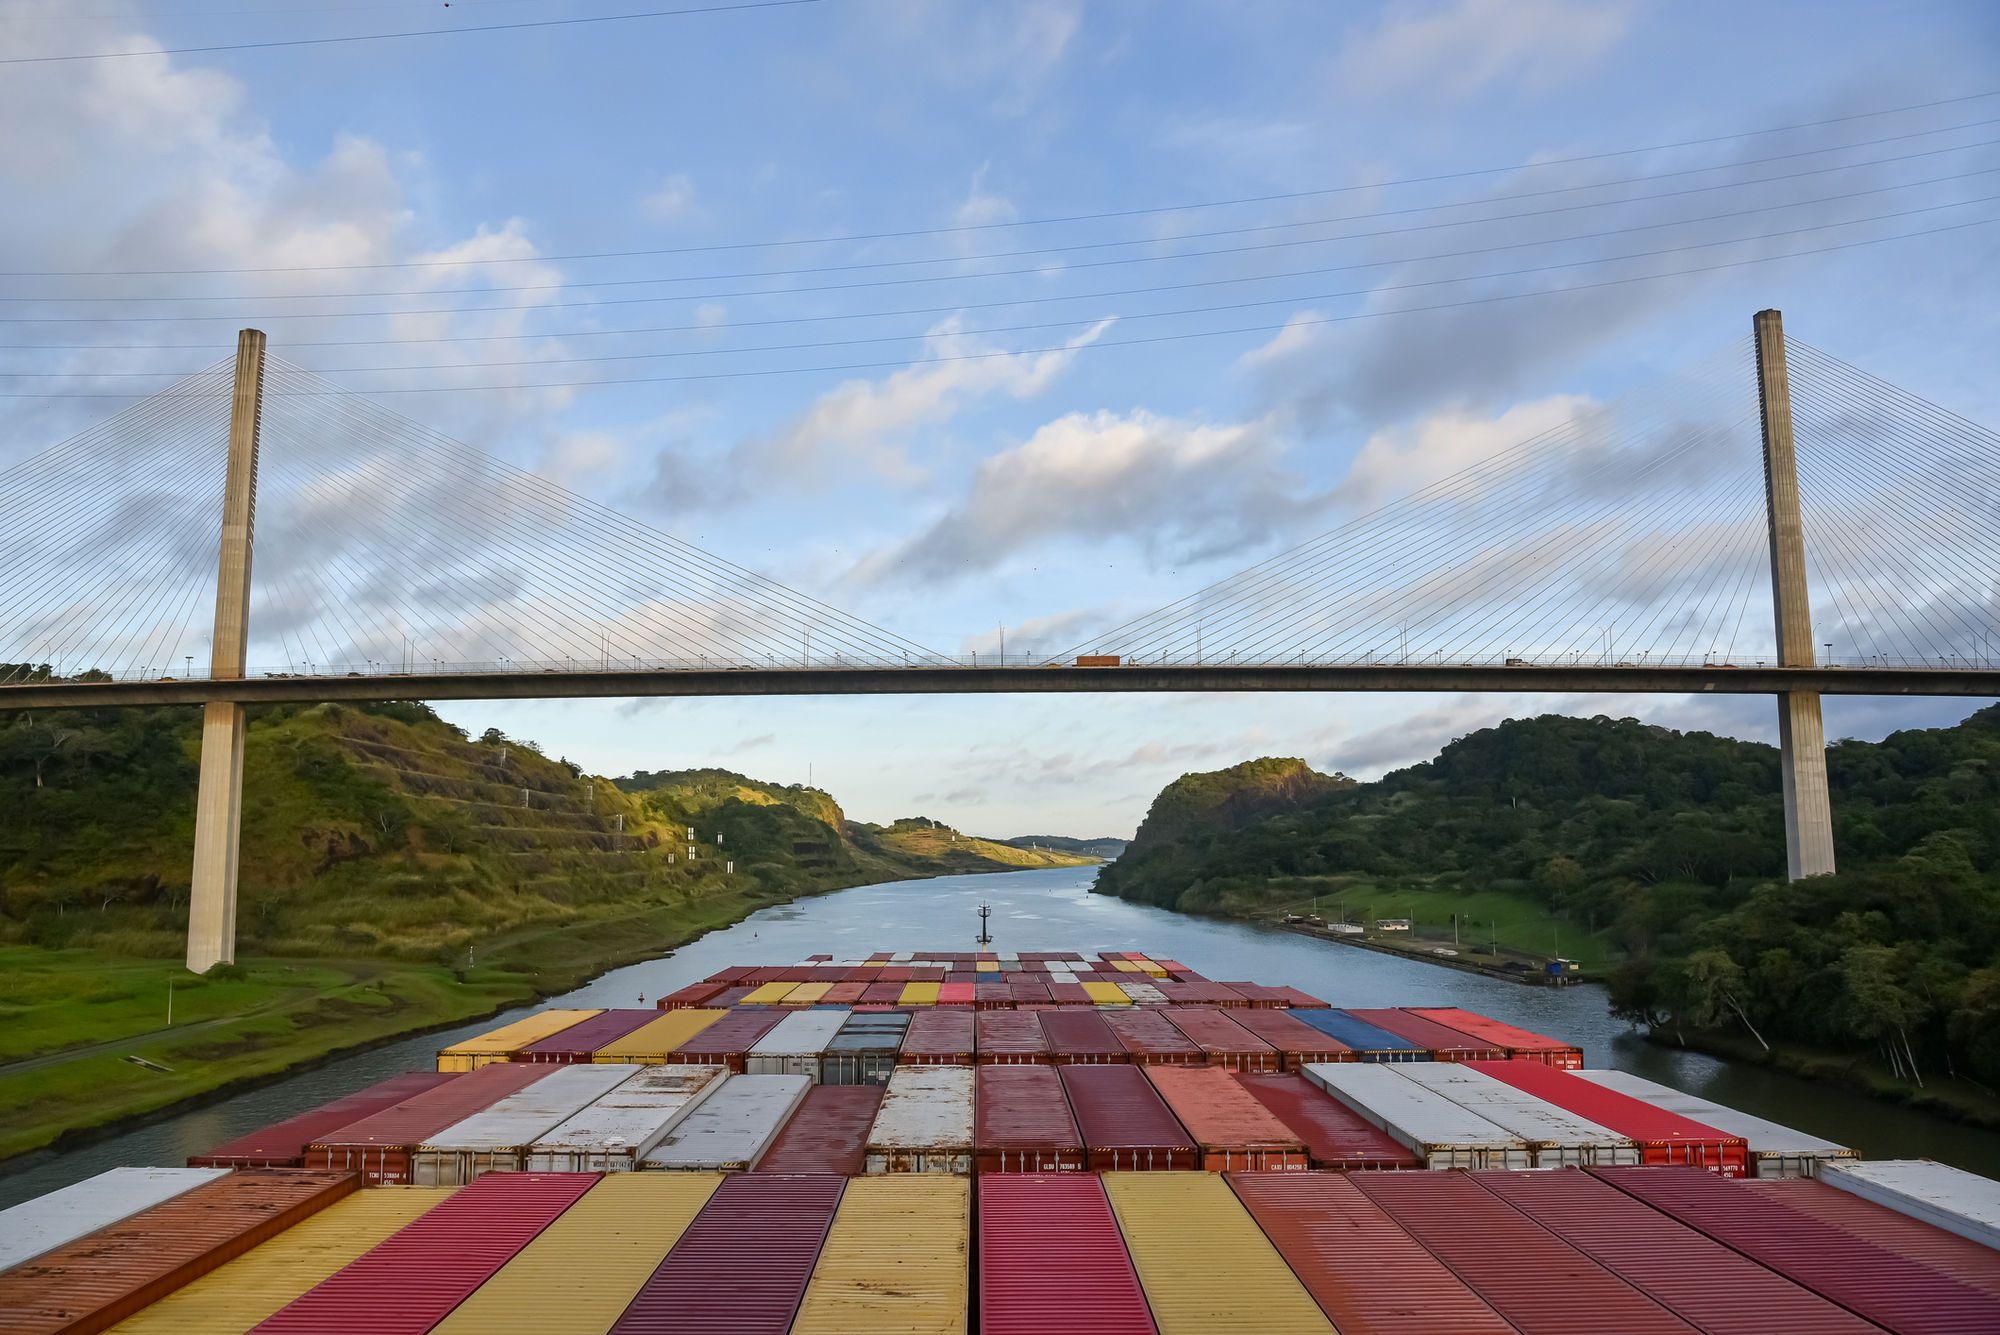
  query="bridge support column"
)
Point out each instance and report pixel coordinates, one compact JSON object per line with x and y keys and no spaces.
{"x":219,"y":801}
{"x":1801,"y":734}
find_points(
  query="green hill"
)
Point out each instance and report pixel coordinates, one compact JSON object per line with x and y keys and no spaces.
{"x":1666,"y":846}
{"x":1106,"y":848}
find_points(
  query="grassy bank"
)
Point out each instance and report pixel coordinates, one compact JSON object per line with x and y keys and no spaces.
{"x":1524,"y":928}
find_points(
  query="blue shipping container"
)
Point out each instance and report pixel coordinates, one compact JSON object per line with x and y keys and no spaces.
{"x":1370,"y":1044}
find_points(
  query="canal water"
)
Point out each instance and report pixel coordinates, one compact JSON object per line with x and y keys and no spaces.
{"x":1054,"y":910}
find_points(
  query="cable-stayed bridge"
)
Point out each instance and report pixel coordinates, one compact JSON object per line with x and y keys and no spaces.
{"x":1769,"y":520}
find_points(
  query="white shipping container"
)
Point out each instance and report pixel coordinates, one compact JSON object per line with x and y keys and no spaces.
{"x":1441,"y":1132}
{"x":1142,"y":993}
{"x":733,"y":1127}
{"x":611,"y":1134}
{"x":1557,"y":1137}
{"x":496,"y":1139}
{"x":903,"y":956}
{"x":1775,"y":1150}
{"x":1949,"y":1198}
{"x":925,"y":1122}
{"x":47,"y":1222}
{"x":794,"y":1045}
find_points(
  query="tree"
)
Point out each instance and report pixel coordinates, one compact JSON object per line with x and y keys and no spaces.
{"x":1714,"y":991}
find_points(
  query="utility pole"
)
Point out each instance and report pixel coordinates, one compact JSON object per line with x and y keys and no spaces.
{"x":1801,"y":731}
{"x":218,"y":811}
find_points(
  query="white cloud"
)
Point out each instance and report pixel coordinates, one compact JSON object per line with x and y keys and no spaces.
{"x":1455,"y":52}
{"x":1400,"y":460}
{"x":674,"y":197}
{"x":982,"y":206}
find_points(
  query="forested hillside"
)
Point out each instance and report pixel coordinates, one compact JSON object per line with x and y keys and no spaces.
{"x":1674,"y":844}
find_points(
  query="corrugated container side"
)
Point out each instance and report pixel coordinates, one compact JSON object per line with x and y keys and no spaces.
{"x":1775,"y":1150}
{"x":1295,"y":1041}
{"x":499,"y":1045}
{"x":1664,"y":1138}
{"x":1369,"y":1043}
{"x":988,"y":996}
{"x":232,"y":1299}
{"x":731,"y":1128}
{"x":1442,"y":1133}
{"x":729,"y":996}
{"x":579,"y":1041}
{"x":1204,"y":1263}
{"x":1022,"y":1122}
{"x":380,"y":1146}
{"x":1222,"y":1041}
{"x":654,"y":1041}
{"x":1524,"y":1272}
{"x":743,"y":1264}
{"x":1078,"y":1037}
{"x":1234,"y":1130}
{"x":1525,"y":1044}
{"x":1938,"y":1194}
{"x":796,"y":1045}
{"x":95,"y":1281}
{"x":1293,"y":999}
{"x":1051,"y":1259}
{"x":770,"y":993}
{"x":33,"y":1227}
{"x":1008,"y":1038}
{"x":1124,"y":1122}
{"x":896,"y":1259}
{"x":1335,"y":1136}
{"x":409,"y":1282}
{"x":1150,"y":1039}
{"x":1967,"y":1262}
{"x":828,"y":1134}
{"x":727,"y":1041}
{"x":1689,"y":1274}
{"x":1444,"y":1043}
{"x":499,"y":1138}
{"x":1368,"y":1275}
{"x":1868,"y":1280}
{"x":582,"y":1271}
{"x":1103,"y":993}
{"x":846,"y":994}
{"x":1557,"y":1137}
{"x":283,"y":1144}
{"x":613,"y":1132}
{"x":694,"y":994}
{"x":940,"y":1036}
{"x":925,"y":1122}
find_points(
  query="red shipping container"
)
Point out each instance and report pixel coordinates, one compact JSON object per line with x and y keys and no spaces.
{"x":1964,"y":1260}
{"x":1150,"y":1039}
{"x":694,"y":994}
{"x":957,"y":976}
{"x":1027,"y":991}
{"x":883,"y":955}
{"x":1236,"y":1133}
{"x":1051,"y":1259}
{"x":411,"y":1280}
{"x":883,"y":993}
{"x":1258,"y":995}
{"x":1069,"y":994}
{"x":899,"y":973}
{"x":1222,"y":1041}
{"x":828,"y":1134}
{"x":938,"y":1036}
{"x":1688,"y":1274}
{"x":1203,"y":993}
{"x":1226,"y":994}
{"x":842,"y":994}
{"x":769,"y":973}
{"x":1295,"y":1041}
{"x":1870,"y":1280}
{"x":954,"y":994}
{"x":1524,"y":1272}
{"x":576,"y":1043}
{"x":379,"y":1146}
{"x":1008,"y":1038}
{"x":1367,"y":1274}
{"x":1125,"y":1124}
{"x":1335,"y":1136}
{"x":1301,"y":1001}
{"x":742,"y":1265}
{"x":283,"y":1144}
{"x":1444,"y":1043}
{"x":1664,"y":1138}
{"x":1524,"y":1044}
{"x":99,"y":1279}
{"x":725,"y":1042}
{"x":1022,"y":1123}
{"x":734,"y":974}
{"x":1079,"y":1037}
{"x":992,"y":996}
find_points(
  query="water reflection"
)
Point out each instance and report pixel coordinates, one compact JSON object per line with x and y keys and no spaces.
{"x":1055,"y":911}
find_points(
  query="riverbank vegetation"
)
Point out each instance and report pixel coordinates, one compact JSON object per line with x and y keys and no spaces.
{"x":397,"y":875}
{"x":1668,"y":847}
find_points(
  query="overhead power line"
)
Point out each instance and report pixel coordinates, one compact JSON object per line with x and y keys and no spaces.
{"x":1052,"y":219}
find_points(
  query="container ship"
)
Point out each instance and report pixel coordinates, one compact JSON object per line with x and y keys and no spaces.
{"x":1012,"y":1144}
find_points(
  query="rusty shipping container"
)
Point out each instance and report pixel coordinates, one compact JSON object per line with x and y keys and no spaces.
{"x":501,"y":1138}
{"x":1125,"y":1124}
{"x":1079,"y":1038}
{"x":1335,"y":1136}
{"x":283,"y":1144}
{"x":1150,"y":1039}
{"x":828,"y":1133}
{"x":1222,"y":1041}
{"x":1235,"y":1131}
{"x":380,"y":1147}
{"x":1022,"y":1122}
{"x":1296,"y":1042}
{"x":1364,"y":1270}
{"x":1965,"y":1261}
{"x":925,"y":1122}
{"x":1008,"y":1038}
{"x":97,"y":1280}
{"x":1051,"y":1258}
{"x":1444,"y":1043}
{"x":939,"y":1036}
{"x":728,"y":1041}
{"x":1519,"y":1043}
{"x":694,"y":994}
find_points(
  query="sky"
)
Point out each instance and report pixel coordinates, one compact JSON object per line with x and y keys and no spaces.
{"x":998,"y":424}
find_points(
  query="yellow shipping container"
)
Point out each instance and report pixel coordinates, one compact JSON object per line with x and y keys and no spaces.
{"x":499,"y":1045}
{"x":919,"y":994}
{"x":770,"y":994}
{"x":649,"y":1044}
{"x":896,"y":1259}
{"x":242,"y":1293}
{"x":579,"y":1274}
{"x":986,"y":966}
{"x":1150,"y":969}
{"x":805,"y":994}
{"x":1106,"y":994}
{"x":1205,"y":1265}
{"x":1125,"y":966}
